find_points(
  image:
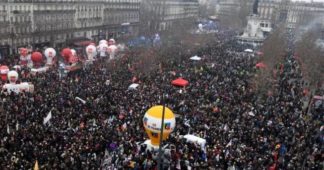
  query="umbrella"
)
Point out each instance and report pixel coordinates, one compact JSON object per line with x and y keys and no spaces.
{"x":133,"y":86}
{"x":180,"y":82}
{"x":248,"y":50}
{"x":195,"y":58}
{"x":260,"y":65}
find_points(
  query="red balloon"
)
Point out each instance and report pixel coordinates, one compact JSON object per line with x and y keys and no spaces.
{"x":36,"y":57}
{"x":3,"y":72}
{"x":4,"y":67}
{"x":66,"y":54}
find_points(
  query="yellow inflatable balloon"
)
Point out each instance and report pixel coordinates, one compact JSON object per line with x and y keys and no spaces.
{"x":152,"y":123}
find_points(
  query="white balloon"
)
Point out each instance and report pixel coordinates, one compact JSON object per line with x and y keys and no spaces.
{"x":112,"y":50}
{"x":50,"y":52}
{"x":112,"y":41}
{"x":103,"y":42}
{"x":73,"y":52}
{"x":12,"y":76}
{"x":102,"y":49}
{"x":91,"y":51}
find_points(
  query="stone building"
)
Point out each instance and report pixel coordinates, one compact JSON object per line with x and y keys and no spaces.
{"x":161,"y":15}
{"x":55,"y":23}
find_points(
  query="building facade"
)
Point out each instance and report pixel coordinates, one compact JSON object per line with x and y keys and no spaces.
{"x":56,"y":22}
{"x":289,"y":12}
{"x":302,"y":13}
{"x":161,"y":15}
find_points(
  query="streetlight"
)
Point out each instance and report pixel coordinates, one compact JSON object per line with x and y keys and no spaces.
{"x":160,"y":163}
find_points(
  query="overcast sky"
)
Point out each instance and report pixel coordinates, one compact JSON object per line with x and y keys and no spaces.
{"x":310,"y":0}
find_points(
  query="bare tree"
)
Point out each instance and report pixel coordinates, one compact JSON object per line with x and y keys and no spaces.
{"x":236,"y":18}
{"x":311,"y":57}
{"x":152,"y":14}
{"x":274,"y":49}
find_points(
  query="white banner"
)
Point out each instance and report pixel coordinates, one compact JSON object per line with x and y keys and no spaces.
{"x":17,"y":88}
{"x":48,"y":117}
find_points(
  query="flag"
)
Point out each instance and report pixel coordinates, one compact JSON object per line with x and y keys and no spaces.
{"x":229,"y":143}
{"x":82,"y":101}
{"x":167,"y":126}
{"x":94,"y":123}
{"x":124,"y":127}
{"x":145,"y":121}
{"x":48,"y":117}
{"x":8,"y":129}
{"x":17,"y":126}
{"x":36,"y":166}
{"x":155,"y":135}
{"x":226,"y":128}
{"x":251,"y":113}
{"x":187,"y":123}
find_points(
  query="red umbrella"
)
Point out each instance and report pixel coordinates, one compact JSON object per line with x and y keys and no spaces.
{"x":261,"y":65}
{"x":180,"y":82}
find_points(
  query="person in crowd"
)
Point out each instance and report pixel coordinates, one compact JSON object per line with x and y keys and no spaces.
{"x":243,"y":129}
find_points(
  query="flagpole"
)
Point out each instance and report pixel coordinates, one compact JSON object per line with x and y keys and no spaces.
{"x":160,"y":164}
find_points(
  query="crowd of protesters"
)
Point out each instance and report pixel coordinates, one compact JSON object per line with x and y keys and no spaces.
{"x":243,"y":129}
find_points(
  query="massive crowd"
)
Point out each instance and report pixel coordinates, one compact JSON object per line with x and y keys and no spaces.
{"x":243,"y":129}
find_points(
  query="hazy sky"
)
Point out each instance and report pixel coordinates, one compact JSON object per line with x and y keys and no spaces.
{"x":310,"y":0}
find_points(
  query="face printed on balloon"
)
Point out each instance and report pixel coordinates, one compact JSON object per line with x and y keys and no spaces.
{"x":23,"y":52}
{"x":13,"y":77}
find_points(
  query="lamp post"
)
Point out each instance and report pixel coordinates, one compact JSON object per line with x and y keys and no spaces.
{"x":33,"y":27}
{"x":160,"y":163}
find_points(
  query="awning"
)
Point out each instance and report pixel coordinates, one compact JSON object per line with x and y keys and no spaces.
{"x":195,"y":58}
{"x":125,"y":24}
{"x":180,"y":82}
{"x":83,"y":43}
{"x":133,"y":86}
{"x":248,"y":50}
